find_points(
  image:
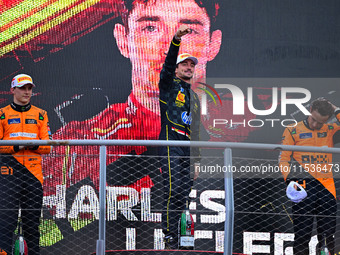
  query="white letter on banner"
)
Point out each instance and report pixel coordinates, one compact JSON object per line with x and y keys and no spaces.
{"x":146,"y":214}
{"x":279,"y":239}
{"x":58,"y":200}
{"x":205,"y":200}
{"x":79,"y":206}
{"x":262,"y":112}
{"x":297,"y":102}
{"x":124,"y":205}
{"x":238,"y":97}
{"x":249,"y":248}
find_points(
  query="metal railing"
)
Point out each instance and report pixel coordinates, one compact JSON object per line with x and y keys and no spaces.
{"x":228,"y":175}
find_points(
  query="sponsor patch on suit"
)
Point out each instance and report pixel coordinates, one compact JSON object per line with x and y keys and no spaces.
{"x":30,"y":121}
{"x":14,"y":121}
{"x":180,"y":99}
{"x":321,"y":135}
{"x":186,"y":118}
{"x":306,"y":135}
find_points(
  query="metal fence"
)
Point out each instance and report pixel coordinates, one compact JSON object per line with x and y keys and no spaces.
{"x":104,"y":210}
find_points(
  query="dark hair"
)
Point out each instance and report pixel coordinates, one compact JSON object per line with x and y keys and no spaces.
{"x":323,"y":106}
{"x":211,"y":7}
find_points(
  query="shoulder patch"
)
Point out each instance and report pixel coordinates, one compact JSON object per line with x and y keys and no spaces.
{"x":2,"y":116}
{"x":41,"y":117}
{"x":330,"y":127}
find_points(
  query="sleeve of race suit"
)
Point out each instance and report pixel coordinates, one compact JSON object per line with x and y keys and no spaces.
{"x":285,"y":156}
{"x":336,"y":136}
{"x":7,"y":149}
{"x":45,"y":134}
{"x":169,"y":66}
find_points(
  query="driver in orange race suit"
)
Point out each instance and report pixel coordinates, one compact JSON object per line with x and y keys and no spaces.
{"x":313,"y":171}
{"x":21,"y":175}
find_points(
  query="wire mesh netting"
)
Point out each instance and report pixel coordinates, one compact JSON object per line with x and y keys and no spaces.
{"x":267,"y":221}
{"x":134,"y":205}
{"x":68,"y":221}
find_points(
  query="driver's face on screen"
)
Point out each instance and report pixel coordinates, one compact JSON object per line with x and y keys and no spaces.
{"x":151,"y":27}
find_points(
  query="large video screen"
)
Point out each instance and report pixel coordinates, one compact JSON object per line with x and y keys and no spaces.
{"x":96,"y":65}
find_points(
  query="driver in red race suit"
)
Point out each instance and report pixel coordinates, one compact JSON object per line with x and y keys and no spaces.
{"x":128,"y":120}
{"x":313,"y":171}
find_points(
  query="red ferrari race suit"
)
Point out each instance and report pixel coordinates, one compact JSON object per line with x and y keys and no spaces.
{"x":21,"y":176}
{"x":130,"y":120}
{"x":313,"y":170}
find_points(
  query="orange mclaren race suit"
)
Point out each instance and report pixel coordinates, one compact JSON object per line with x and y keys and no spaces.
{"x":180,"y":119}
{"x":313,"y":170}
{"x":21,"y":175}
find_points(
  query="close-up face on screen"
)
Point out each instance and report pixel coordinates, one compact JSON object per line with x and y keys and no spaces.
{"x":249,"y":76}
{"x":145,"y":38}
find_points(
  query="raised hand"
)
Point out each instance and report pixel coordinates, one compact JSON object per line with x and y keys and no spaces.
{"x":182,"y":30}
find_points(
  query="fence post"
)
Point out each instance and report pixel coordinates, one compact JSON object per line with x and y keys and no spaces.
{"x":100,"y":250}
{"x":229,"y":203}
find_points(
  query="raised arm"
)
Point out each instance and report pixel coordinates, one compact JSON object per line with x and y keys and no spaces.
{"x":169,"y":65}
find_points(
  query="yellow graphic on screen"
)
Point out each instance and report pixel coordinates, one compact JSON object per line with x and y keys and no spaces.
{"x":32,"y":18}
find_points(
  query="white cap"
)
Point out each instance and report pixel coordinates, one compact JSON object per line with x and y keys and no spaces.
{"x":185,"y":56}
{"x":295,"y":195}
{"x":21,"y":80}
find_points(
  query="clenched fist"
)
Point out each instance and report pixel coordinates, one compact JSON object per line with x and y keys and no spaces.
{"x":182,"y":30}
